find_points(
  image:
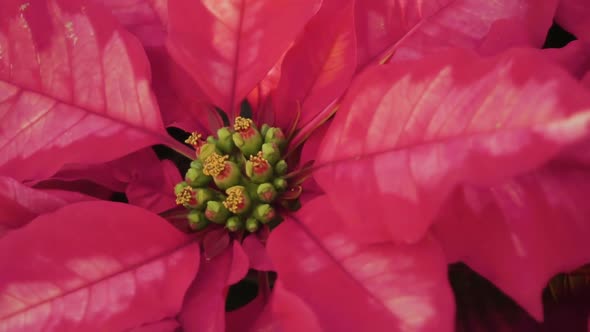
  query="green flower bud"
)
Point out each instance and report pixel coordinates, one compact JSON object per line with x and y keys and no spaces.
{"x":280,"y":183}
{"x":234,"y":224}
{"x":271,"y":152}
{"x":225,"y":173}
{"x":247,"y":138}
{"x":264,"y":213}
{"x":178,"y":188}
{"x":216,"y":212}
{"x":211,"y":139}
{"x":281,"y":167}
{"x":206,"y":150}
{"x":266,"y":192}
{"x":248,"y":141}
{"x":195,"y":177}
{"x":229,"y":177}
{"x":276,"y":135}
{"x":197,"y":220}
{"x":258,"y":169}
{"x":225,"y":142}
{"x":186,"y":195}
{"x":264,"y":129}
{"x":202,"y":196}
{"x":252,"y":225}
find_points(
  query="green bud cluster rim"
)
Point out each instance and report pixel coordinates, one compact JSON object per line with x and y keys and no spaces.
{"x":237,"y":178}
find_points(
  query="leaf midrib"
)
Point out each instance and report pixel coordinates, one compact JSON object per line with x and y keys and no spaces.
{"x":129,"y":268}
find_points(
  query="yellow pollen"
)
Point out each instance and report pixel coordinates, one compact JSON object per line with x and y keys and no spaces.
{"x":234,"y":199}
{"x":242,"y":124}
{"x":194,"y":138}
{"x":184,"y":196}
{"x":214,"y":164}
{"x":258,"y":160}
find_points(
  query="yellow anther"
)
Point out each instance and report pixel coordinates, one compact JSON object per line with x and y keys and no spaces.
{"x":235,"y":197}
{"x":194,"y":138}
{"x":242,"y":124}
{"x":258,"y":160}
{"x":185,"y":196}
{"x":214,"y":164}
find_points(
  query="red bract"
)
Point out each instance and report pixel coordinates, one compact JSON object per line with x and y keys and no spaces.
{"x":398,"y":287}
{"x":205,"y":301}
{"x":410,"y":29}
{"x":318,"y":69}
{"x":573,"y":16}
{"x":141,"y":176}
{"x":519,"y":233}
{"x":20,"y":204}
{"x":235,"y":43}
{"x":131,"y":269}
{"x":408,"y":133}
{"x":72,"y":82}
{"x":176,"y":92}
{"x":458,"y":148}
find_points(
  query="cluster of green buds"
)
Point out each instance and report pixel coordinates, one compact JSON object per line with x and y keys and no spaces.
{"x":236,"y":178}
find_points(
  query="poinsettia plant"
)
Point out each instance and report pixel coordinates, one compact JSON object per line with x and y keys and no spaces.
{"x":289,"y":165}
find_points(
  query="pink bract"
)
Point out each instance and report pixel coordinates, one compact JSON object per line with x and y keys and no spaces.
{"x":411,"y":29}
{"x":521,"y":232}
{"x":573,"y":16}
{"x":62,"y":103}
{"x":408,"y":133}
{"x":20,"y":204}
{"x":433,"y":140}
{"x":318,"y":68}
{"x":204,"y":304}
{"x":235,"y":43}
{"x":398,"y":287}
{"x":82,"y":277}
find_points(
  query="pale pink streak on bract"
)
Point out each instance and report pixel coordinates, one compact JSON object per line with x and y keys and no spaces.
{"x":182,"y":103}
{"x":93,"y":266}
{"x":352,"y":286}
{"x":408,"y":133}
{"x":71,"y":83}
{"x":235,"y":43}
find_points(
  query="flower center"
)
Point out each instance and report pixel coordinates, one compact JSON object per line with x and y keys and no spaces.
{"x":194,"y":139}
{"x":214,"y":164}
{"x":238,"y":179}
{"x":184,"y":196}
{"x":234,"y":199}
{"x":242,"y":124}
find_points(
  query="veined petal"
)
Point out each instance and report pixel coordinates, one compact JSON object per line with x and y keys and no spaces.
{"x":408,"y":133}
{"x":71,"y":82}
{"x":357,"y":287}
{"x":235,"y":43}
{"x":85,"y":268}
